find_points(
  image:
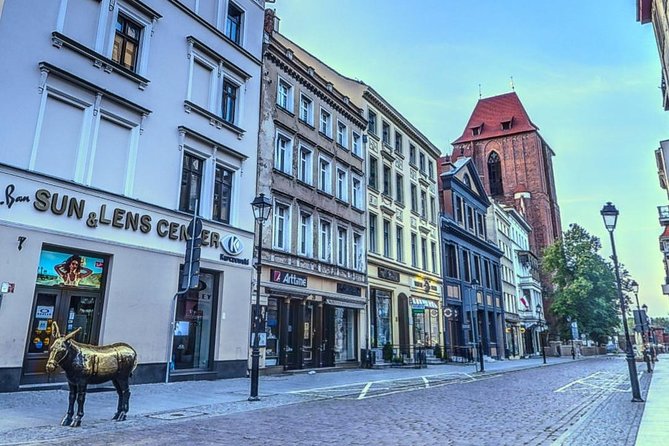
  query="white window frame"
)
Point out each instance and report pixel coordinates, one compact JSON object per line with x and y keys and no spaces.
{"x":222,"y":26}
{"x":306,"y":235}
{"x":307,"y":113}
{"x":212,"y":102}
{"x":356,"y":194}
{"x":325,"y":126}
{"x":356,"y":144}
{"x":305,"y":173}
{"x":324,"y":249}
{"x":276,"y":243}
{"x":289,"y":94}
{"x":342,"y":183}
{"x":106,"y":31}
{"x":327,"y":187}
{"x":288,"y":158}
{"x":342,"y":134}
{"x":342,"y":246}
{"x":358,"y":251}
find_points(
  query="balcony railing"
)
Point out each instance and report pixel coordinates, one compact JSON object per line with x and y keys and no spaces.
{"x":663,"y":212}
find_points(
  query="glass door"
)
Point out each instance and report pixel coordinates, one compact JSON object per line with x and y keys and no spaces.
{"x":308,"y":343}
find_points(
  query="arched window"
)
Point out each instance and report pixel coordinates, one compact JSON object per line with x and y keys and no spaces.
{"x":495,"y":174}
{"x":467,"y":181}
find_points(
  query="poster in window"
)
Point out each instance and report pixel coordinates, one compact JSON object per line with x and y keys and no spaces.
{"x":67,"y":269}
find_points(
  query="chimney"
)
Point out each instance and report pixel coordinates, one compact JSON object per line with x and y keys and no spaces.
{"x":271,"y":21}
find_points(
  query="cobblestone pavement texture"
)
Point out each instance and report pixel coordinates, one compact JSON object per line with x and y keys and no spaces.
{"x":578,"y":403}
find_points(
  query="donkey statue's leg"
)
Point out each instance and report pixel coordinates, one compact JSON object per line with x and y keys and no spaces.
{"x":81,"y":398}
{"x":119,"y":392}
{"x":67,"y":419}
{"x":123,"y":389}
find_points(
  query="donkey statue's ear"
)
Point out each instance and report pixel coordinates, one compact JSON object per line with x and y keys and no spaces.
{"x":54,"y":329}
{"x":72,"y":334}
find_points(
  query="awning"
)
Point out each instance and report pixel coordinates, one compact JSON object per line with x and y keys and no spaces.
{"x":345,"y":304}
{"x":417,"y":302}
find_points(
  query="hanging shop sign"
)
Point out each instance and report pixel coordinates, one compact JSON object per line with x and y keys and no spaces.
{"x":389,"y":274}
{"x":351,"y":290}
{"x":287,"y":278}
{"x":26,"y":201}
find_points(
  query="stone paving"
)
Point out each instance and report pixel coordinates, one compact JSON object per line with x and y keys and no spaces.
{"x":574,"y":402}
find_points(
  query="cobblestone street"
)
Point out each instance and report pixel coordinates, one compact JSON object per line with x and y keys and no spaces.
{"x":584,"y":403}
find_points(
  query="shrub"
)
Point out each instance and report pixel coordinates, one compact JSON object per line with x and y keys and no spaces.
{"x":387,"y":352}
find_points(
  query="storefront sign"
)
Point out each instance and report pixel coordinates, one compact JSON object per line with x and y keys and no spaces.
{"x":71,"y":211}
{"x":451,"y":313}
{"x":288,"y":278}
{"x":389,"y":274}
{"x":345,"y":288}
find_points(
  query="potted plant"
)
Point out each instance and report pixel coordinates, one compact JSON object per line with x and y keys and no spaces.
{"x":388,"y":352}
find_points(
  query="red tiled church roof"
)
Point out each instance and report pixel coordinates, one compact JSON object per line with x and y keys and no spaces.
{"x":491,"y":113}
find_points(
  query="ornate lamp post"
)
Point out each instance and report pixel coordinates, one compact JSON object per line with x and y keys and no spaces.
{"x":610,"y":216}
{"x":262,"y":206}
{"x":541,"y":333}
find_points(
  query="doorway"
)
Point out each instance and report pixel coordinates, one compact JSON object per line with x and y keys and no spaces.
{"x":70,"y":309}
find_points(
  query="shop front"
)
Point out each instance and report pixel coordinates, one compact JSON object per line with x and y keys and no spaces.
{"x":310,"y":321}
{"x":110,"y":266}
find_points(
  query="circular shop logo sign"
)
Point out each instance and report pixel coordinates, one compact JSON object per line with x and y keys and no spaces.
{"x":232,"y":245}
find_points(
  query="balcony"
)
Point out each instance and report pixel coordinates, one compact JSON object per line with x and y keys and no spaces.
{"x":663,"y":212}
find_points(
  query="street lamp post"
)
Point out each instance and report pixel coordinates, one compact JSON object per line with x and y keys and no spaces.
{"x":635,"y":289}
{"x":610,"y":216}
{"x":262,"y":206}
{"x":541,"y":333}
{"x":651,"y":341}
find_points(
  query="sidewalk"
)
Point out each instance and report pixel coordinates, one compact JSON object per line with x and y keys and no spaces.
{"x":654,"y":429}
{"x":35,"y":415}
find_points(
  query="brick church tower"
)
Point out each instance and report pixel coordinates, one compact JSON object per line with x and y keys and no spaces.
{"x":514,"y":162}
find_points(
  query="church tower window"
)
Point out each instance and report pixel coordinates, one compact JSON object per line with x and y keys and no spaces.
{"x":495,"y":174}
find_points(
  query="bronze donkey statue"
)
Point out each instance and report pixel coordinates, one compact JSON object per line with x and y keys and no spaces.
{"x":89,"y":364}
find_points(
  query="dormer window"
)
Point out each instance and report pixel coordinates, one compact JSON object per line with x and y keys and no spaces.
{"x":506,"y":124}
{"x":476,"y":130}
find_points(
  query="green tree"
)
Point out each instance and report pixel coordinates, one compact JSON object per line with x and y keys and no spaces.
{"x":585,"y":285}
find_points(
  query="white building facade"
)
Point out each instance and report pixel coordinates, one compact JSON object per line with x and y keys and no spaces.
{"x":127,"y":117}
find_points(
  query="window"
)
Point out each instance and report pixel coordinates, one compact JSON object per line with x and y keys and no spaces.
{"x":477,"y":268}
{"x":385,"y":136}
{"x":414,"y":250}
{"x":412,"y":154}
{"x":421,"y":162}
{"x":371,"y":121}
{"x":357,"y":144}
{"x":465,"y":266}
{"x":281,"y":227}
{"x":325,"y":238}
{"x":191,"y":183}
{"x":470,"y":219}
{"x":398,"y":142}
{"x":306,"y":110}
{"x":325,"y":175}
{"x":222,"y":194}
{"x":467,"y":181}
{"x":125,"y":51}
{"x":233,"y":23}
{"x":477,"y":130}
{"x":284,"y":95}
{"x":495,"y":174}
{"x":399,"y":188}
{"x":342,"y":246}
{"x":423,"y":252}
{"x":399,"y":249}
{"x":423,"y":204}
{"x":480,"y":226}
{"x":357,"y":251}
{"x":414,"y":198}
{"x":325,"y":123}
{"x":386,"y":238}
{"x":283,"y":153}
{"x":373,"y":168}
{"x":451,"y":255}
{"x":306,"y":237}
{"x":430,"y":169}
{"x":342,"y":184}
{"x":495,"y":277}
{"x":229,"y":105}
{"x":386,"y":179}
{"x":372,"y":232}
{"x":305,"y":167}
{"x":433,"y":210}
{"x":357,"y":193}
{"x":506,"y":125}
{"x":459,"y":215}
{"x":342,"y":135}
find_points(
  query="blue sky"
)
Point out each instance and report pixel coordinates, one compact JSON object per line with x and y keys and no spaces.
{"x":586,"y":71}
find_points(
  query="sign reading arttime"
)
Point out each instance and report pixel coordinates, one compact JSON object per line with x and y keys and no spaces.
{"x":288,"y":278}
{"x":106,"y":219}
